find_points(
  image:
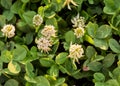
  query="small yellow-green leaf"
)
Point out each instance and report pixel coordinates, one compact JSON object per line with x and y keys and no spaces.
{"x":41,"y":11}
{"x":14,"y":67}
{"x":54,"y":71}
{"x":6,"y":56}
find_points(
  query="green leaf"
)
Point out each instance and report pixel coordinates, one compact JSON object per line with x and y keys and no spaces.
{"x":1,"y":67}
{"x":66,"y":46}
{"x":19,"y":53}
{"x":29,"y":76}
{"x":6,"y":56}
{"x":69,"y":37}
{"x":28,"y":17}
{"x":90,"y":52}
{"x":11,"y":82}
{"x":2,"y":20}
{"x":23,"y":26}
{"x":29,"y":67}
{"x":58,"y":4}
{"x":25,"y":1}
{"x":89,"y":39}
{"x":91,"y":1}
{"x":33,"y":52}
{"x":60,"y":58}
{"x":112,"y":82}
{"x":42,"y":81}
{"x":34,"y":1}
{"x":101,"y":43}
{"x":7,"y":71}
{"x":29,"y":38}
{"x":108,"y":60}
{"x":54,"y":71}
{"x":116,"y":72}
{"x":99,"y":77}
{"x":76,"y":74}
{"x":55,"y":46}
{"x":41,"y":11}
{"x":52,"y":79}
{"x":8,"y":14}
{"x":95,"y":66}
{"x":46,"y":62}
{"x":115,"y":21}
{"x":111,"y":6}
{"x":114,"y":45}
{"x":70,"y":66}
{"x":29,"y":84}
{"x":118,"y":79}
{"x":98,"y":58}
{"x":14,"y":67}
{"x":103,"y":31}
{"x":99,"y":84}
{"x":52,"y":21}
{"x":15,"y":8}
{"x":59,"y":81}
{"x":6,"y":3}
{"x":30,"y":79}
{"x":2,"y":45}
{"x":110,"y":74}
{"x":49,"y":11}
{"x":91,"y":29}
{"x":63,"y":69}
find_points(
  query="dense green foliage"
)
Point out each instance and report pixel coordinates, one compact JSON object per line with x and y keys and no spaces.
{"x":23,"y":63}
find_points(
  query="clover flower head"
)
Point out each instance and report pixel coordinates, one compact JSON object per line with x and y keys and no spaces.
{"x":49,"y":31}
{"x":43,"y":44}
{"x":78,"y":21}
{"x":8,"y":30}
{"x":67,"y":2}
{"x":37,"y":20}
{"x":79,"y":32}
{"x":75,"y":51}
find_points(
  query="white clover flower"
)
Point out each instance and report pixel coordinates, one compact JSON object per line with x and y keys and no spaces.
{"x":37,"y":20}
{"x":75,"y":51}
{"x":78,"y":21}
{"x":49,"y":31}
{"x":79,"y":32}
{"x":43,"y":44}
{"x":67,"y":2}
{"x":8,"y":30}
